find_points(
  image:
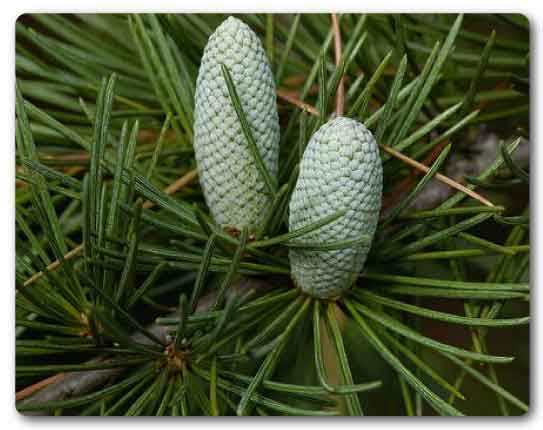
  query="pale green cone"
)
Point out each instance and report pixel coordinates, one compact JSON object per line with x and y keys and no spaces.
{"x":340,"y":170}
{"x":233,"y":187}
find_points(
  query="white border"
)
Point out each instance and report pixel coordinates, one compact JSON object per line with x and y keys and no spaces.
{"x":13,"y":9}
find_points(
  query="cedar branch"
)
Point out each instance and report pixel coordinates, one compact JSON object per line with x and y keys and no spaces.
{"x":170,"y":189}
{"x":407,"y":160}
{"x":72,"y":384}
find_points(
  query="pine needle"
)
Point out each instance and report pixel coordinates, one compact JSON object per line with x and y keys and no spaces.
{"x":407,"y":160}
{"x":74,"y":252}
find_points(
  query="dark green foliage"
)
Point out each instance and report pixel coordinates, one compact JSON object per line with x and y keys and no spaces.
{"x":192,"y":320}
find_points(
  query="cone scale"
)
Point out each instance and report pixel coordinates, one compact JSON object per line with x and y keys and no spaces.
{"x":233,"y":187}
{"x":340,"y":171}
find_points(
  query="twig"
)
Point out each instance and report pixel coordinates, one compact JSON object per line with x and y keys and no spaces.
{"x":80,"y":156}
{"x":404,"y":186}
{"x":174,"y":187}
{"x":413,"y":163}
{"x":72,"y":384}
{"x":282,"y":94}
{"x":340,"y":94}
{"x":54,"y":265}
{"x":70,"y":171}
{"x":170,"y":189}
{"x":28,"y":391}
{"x":438,"y":176}
{"x":74,"y":170}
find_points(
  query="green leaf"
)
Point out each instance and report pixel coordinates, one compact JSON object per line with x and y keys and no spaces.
{"x":481,"y":67}
{"x":148,"y":283}
{"x":523,"y":220}
{"x":428,"y":127}
{"x":286,"y":50}
{"x":414,"y":358}
{"x":441,"y":316}
{"x":56,"y":368}
{"x":307,"y":392}
{"x":232,"y":271}
{"x":202,"y":272}
{"x":273,"y":326}
{"x":486,"y":244}
{"x":408,"y":115}
{"x":490,"y":170}
{"x":298,"y":232}
{"x":409,"y":333}
{"x":452,"y":211}
{"x":164,"y":403}
{"x":443,"y":283}
{"x":51,"y":174}
{"x":113,"y":409}
{"x":266,"y":369}
{"x":433,"y":400}
{"x":319,"y":361}
{"x":158,"y":147}
{"x":445,"y":135}
{"x":446,"y":293}
{"x":478,"y":376}
{"x":236,"y":103}
{"x":515,"y":169}
{"x":264,"y":401}
{"x":127,"y":275}
{"x":125,"y":314}
{"x":355,"y":409}
{"x":360,"y":105}
{"x":391,"y":102}
{"x":330,"y":246}
{"x":418,"y":188}
{"x":440,"y":235}
{"x":270,"y":38}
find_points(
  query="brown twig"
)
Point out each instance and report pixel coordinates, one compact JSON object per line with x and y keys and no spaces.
{"x":77,"y":156}
{"x":54,"y":265}
{"x":174,"y":187}
{"x":438,"y":176}
{"x":340,"y":93}
{"x":72,"y":384}
{"x":31,"y":389}
{"x":297,"y":102}
{"x":413,"y":163}
{"x":74,"y":170}
{"x":70,"y":171}
{"x":405,"y":185}
{"x":170,"y":189}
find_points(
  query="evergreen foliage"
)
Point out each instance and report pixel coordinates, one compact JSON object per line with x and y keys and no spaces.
{"x":121,"y":268}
